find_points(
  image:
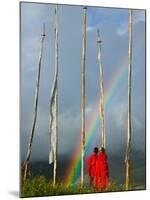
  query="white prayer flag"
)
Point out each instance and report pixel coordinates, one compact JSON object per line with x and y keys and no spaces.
{"x":53,"y":104}
{"x":53,"y":123}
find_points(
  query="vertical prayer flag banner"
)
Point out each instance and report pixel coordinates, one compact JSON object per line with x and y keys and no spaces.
{"x":83,"y":99}
{"x":53,"y":106}
{"x":101,"y":91}
{"x":26,"y":163}
{"x":53,"y":103}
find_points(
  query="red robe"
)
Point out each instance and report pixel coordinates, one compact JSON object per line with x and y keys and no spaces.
{"x":91,"y":165}
{"x":102,"y":171}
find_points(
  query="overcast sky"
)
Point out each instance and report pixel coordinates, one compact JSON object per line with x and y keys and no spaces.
{"x":113,"y":24}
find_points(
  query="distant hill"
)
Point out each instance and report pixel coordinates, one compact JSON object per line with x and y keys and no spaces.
{"x":116,"y":169}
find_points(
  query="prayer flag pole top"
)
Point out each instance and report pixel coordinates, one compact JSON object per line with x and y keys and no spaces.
{"x":43,"y":34}
{"x":98,"y":39}
{"x":85,"y":7}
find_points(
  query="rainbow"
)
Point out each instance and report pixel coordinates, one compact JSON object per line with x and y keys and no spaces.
{"x":74,"y":169}
{"x":110,"y":91}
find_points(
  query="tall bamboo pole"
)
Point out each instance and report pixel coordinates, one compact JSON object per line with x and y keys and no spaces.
{"x":83,"y":97}
{"x":26,"y":163}
{"x":129,"y":103}
{"x":102,"y":116}
{"x":56,"y":67}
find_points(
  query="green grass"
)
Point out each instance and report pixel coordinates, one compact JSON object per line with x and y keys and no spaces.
{"x":39,"y":186}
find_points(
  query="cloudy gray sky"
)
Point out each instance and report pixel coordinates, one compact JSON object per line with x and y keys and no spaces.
{"x":113,"y":24}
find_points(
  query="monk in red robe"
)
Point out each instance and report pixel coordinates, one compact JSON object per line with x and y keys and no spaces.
{"x":91,"y":165}
{"x":102,"y":170}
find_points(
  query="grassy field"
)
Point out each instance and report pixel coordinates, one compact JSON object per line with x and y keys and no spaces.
{"x":39,"y":186}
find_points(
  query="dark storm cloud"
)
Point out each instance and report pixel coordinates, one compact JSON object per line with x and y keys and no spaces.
{"x":114,"y":33}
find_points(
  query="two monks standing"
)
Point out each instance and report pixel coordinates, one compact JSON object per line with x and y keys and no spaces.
{"x":98,"y":168}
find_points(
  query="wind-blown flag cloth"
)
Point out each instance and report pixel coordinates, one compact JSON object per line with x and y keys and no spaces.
{"x":53,"y":123}
{"x":102,"y":115}
{"x":53,"y":104}
{"x":129,"y":131}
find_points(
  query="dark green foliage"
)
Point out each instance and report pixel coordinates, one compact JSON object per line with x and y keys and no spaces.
{"x":39,"y":186}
